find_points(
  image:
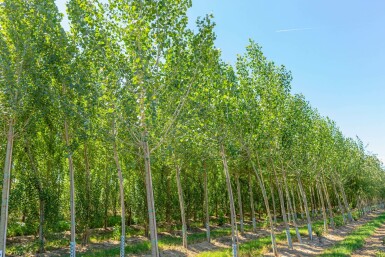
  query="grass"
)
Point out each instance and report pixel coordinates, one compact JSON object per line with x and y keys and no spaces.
{"x":356,"y":239}
{"x":251,"y":248}
{"x":132,"y":249}
{"x":164,"y":242}
{"x":261,"y":245}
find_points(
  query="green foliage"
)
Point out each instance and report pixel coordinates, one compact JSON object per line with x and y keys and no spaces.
{"x":131,"y":75}
{"x":319,"y":231}
{"x":21,"y":229}
{"x":131,"y":249}
{"x":221,"y":219}
{"x":61,"y":226}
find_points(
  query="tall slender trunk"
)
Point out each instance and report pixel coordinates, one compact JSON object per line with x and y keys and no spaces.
{"x":350,"y":217}
{"x":273,"y":200}
{"x":266,"y":201}
{"x":206,"y":203}
{"x":288,"y":208}
{"x":239,"y":203}
{"x":322,"y":206}
{"x":121,"y":194}
{"x":294,"y":203}
{"x":233,"y":217}
{"x":72,"y":192}
{"x":339,"y":201}
{"x":150,"y":197}
{"x":148,"y":176}
{"x":283,"y":209}
{"x":181,"y":203}
{"x":5,"y":191}
{"x":291,"y":206}
{"x":303,"y":193}
{"x":252,"y":204}
{"x":312,"y":199}
{"x":332,"y":224}
{"x":300,"y":200}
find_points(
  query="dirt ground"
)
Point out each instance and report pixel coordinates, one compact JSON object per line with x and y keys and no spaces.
{"x":216,"y":244}
{"x":373,"y":245}
{"x":316,"y":247}
{"x":306,"y":248}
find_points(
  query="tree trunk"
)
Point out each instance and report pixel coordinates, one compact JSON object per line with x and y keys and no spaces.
{"x":332,"y":224}
{"x":291,"y":206}
{"x":239,"y":203}
{"x":300,"y":202}
{"x":150,"y":197}
{"x":266,"y":201}
{"x":273,"y":200}
{"x":6,"y":187}
{"x":234,"y":235}
{"x":252,"y":205}
{"x":181,"y":203}
{"x":350,"y":218}
{"x":121,"y":194}
{"x":206,"y":203}
{"x":294,"y":203}
{"x":303,"y":193}
{"x":288,"y":208}
{"x":339,"y":201}
{"x":145,"y":208}
{"x":283,"y":209}
{"x":313,"y":206}
{"x":322,"y":206}
{"x":5,"y":192}
{"x":72,"y":192}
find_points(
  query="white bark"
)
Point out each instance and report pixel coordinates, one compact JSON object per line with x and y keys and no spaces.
{"x":233,"y":216}
{"x":72,"y":193}
{"x":5,"y":191}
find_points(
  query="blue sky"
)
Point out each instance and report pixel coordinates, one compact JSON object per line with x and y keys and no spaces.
{"x":335,"y":50}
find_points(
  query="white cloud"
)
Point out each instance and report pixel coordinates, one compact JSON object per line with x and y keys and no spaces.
{"x":294,"y":29}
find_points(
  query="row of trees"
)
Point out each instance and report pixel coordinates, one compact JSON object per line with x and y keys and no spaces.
{"x":130,"y":106}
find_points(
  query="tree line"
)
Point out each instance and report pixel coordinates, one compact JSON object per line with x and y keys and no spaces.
{"x":131,"y":113}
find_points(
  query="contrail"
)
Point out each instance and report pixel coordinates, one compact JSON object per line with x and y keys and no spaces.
{"x":289,"y":30}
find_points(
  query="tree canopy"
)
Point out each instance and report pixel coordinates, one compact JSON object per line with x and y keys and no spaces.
{"x":132,"y":114}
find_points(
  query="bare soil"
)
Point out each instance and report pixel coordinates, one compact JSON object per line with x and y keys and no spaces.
{"x":373,"y":244}
{"x":215,"y":245}
{"x":318,"y":245}
{"x":306,"y":248}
